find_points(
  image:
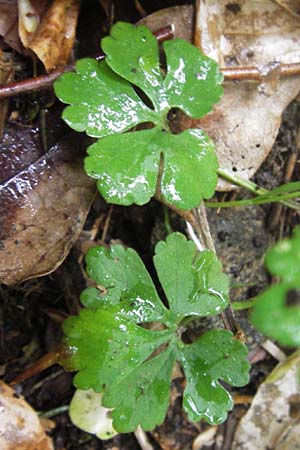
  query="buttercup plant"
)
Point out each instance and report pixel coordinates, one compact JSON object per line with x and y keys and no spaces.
{"x":109,"y":98}
{"x":115,"y":354}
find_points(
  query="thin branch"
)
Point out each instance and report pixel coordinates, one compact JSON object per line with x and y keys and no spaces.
{"x":260,"y":73}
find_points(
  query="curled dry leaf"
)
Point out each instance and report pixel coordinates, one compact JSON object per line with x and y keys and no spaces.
{"x":19,"y":424}
{"x":44,"y":200}
{"x":50,"y":37}
{"x":272,"y":422}
{"x":244,"y":124}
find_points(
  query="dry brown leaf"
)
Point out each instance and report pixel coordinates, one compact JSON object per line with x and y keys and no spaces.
{"x":272,"y":422}
{"x":19,"y":424}
{"x":51,"y":36}
{"x":44,"y":201}
{"x":9,"y":24}
{"x":245,"y":123}
{"x":291,"y":6}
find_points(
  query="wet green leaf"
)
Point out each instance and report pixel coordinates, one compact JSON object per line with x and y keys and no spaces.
{"x":142,"y":397}
{"x":103,"y":103}
{"x":131,"y":364}
{"x":193,"y":282}
{"x":274,"y":313}
{"x":125,"y":282}
{"x":215,"y":356}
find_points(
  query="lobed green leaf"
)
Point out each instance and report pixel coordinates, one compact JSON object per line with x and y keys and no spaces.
{"x":132,"y":365}
{"x":104,"y":104}
{"x":193,"y":283}
{"x":215,"y":356}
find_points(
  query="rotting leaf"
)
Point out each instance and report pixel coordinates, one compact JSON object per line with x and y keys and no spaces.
{"x":44,"y":200}
{"x":104,"y":104}
{"x":244,"y":124}
{"x":134,"y":367}
{"x":51,"y":37}
{"x":19,"y":424}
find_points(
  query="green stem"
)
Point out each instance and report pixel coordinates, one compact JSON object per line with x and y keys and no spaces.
{"x":252,"y":187}
{"x":167,"y":219}
{"x":253,"y":201}
{"x":54,"y":412}
{"x":238,"y":306}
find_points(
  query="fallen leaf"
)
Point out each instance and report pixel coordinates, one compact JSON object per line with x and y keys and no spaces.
{"x":9,"y":24}
{"x":51,"y":36}
{"x":272,"y":421}
{"x":256,"y":33}
{"x":19,"y":424}
{"x":44,"y":200}
{"x":244,"y":124}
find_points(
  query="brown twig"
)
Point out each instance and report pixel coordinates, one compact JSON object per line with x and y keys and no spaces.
{"x":46,"y":80}
{"x":258,"y":74}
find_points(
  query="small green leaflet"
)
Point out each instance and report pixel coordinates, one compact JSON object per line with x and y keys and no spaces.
{"x":272,"y":314}
{"x":103,"y":102}
{"x":131,"y":364}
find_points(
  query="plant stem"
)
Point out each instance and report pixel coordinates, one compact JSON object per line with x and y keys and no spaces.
{"x":167,"y":219}
{"x":252,"y":187}
{"x":253,"y":201}
{"x":239,"y":306}
{"x":54,"y":412}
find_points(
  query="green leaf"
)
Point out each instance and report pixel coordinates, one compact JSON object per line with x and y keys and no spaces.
{"x":283,"y":260}
{"x":107,"y":346}
{"x":126,"y":166}
{"x":272,"y":314}
{"x":194,"y":284}
{"x":142,"y":397}
{"x":188,"y":156}
{"x":132,"y":52}
{"x":273,"y":317}
{"x":215,"y":356}
{"x":101,"y":102}
{"x":194,"y":83}
{"x":104,"y":104}
{"x":126,"y":281}
{"x":131,"y":364}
